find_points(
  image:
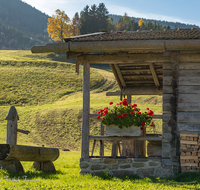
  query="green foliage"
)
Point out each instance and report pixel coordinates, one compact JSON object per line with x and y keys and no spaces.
{"x":93,"y":19}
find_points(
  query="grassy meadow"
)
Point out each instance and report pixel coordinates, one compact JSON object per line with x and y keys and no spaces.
{"x":47,"y":94}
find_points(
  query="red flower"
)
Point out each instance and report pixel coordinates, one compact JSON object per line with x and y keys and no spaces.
{"x":135,"y":109}
{"x":124,"y":102}
{"x":119,"y":116}
{"x":111,"y":103}
{"x":124,"y":115}
{"x":99,"y":112}
{"x":147,"y":109}
{"x":104,"y":114}
{"x":150,"y":112}
{"x":118,"y":104}
{"x":141,"y":128}
{"x":139,"y":112}
{"x":105,"y":111}
{"x":98,"y":116}
{"x":134,"y":105}
{"x":105,"y":108}
{"x":143,"y":123}
{"x":132,"y":113}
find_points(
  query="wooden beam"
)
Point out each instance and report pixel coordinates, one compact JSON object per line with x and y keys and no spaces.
{"x":86,"y":111}
{"x":155,"y":78}
{"x":116,"y":75}
{"x":115,"y":59}
{"x":52,"y":47}
{"x":147,"y":90}
{"x":28,"y":153}
{"x":140,"y":76}
{"x":118,"y":138}
{"x":120,"y":75}
{"x":140,"y":82}
{"x":119,"y":45}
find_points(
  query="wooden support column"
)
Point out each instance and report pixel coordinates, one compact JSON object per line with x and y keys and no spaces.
{"x":86,"y":111}
{"x":128,"y":146}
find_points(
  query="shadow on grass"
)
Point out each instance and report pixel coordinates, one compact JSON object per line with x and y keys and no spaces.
{"x":186,"y":178}
{"x":30,"y":175}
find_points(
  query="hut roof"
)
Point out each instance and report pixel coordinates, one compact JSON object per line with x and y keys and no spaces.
{"x":176,"y":34}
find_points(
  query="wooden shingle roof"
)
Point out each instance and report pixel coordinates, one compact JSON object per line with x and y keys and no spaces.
{"x":177,"y":34}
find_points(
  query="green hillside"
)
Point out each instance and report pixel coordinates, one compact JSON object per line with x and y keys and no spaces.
{"x":47,"y":94}
{"x":21,"y":25}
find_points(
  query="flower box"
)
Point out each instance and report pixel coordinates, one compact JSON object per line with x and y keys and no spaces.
{"x":116,"y":131}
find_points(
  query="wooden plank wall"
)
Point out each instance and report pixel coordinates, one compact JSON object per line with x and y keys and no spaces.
{"x":189,"y":95}
{"x":167,"y":94}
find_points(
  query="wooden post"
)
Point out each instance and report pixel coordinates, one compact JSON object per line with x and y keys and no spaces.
{"x":101,"y":151}
{"x":86,"y":111}
{"x":12,"y":118}
{"x":128,"y":146}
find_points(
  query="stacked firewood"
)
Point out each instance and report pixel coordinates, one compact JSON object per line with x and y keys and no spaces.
{"x":190,"y":152}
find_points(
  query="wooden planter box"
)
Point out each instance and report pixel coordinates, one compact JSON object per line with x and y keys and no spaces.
{"x":116,"y":131}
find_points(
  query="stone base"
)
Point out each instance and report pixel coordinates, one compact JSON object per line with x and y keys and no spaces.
{"x":44,"y":166}
{"x":12,"y":166}
{"x":144,"y":167}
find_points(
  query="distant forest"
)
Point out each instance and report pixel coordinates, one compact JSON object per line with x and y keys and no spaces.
{"x":172,"y":25}
{"x":22,"y":26}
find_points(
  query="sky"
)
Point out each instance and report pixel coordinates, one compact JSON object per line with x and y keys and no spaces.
{"x":183,"y":11}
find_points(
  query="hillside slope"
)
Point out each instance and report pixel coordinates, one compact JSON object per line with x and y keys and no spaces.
{"x":47,"y":94}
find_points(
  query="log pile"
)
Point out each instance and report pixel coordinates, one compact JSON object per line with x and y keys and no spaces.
{"x":190,"y":152}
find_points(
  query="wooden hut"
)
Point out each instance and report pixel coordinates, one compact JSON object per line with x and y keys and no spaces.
{"x":163,"y":63}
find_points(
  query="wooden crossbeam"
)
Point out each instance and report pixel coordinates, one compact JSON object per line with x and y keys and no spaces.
{"x":155,"y":77}
{"x":115,"y":59}
{"x":120,"y":75}
{"x":118,"y":138}
{"x":116,"y":75}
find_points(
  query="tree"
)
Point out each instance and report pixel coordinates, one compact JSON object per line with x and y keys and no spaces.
{"x":93,"y":19}
{"x":75,"y":25}
{"x":140,"y":22}
{"x":58,"y":27}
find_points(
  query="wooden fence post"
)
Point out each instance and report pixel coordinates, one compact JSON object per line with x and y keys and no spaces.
{"x":12,"y":118}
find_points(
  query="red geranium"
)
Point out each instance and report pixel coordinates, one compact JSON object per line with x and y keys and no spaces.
{"x":132,"y":113}
{"x":147,"y":109}
{"x":135,"y":109}
{"x":141,"y":128}
{"x":111,"y":103}
{"x":99,"y":112}
{"x":105,"y":108}
{"x":98,"y":116}
{"x":150,"y":112}
{"x":124,"y":115}
{"x":119,"y":116}
{"x":104,"y":114}
{"x":105,"y":111}
{"x":134,"y":105}
{"x":143,"y":123}
{"x":139,"y":113}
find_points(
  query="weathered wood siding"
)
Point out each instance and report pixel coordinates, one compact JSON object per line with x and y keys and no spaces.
{"x":167,"y":94}
{"x":189,"y":94}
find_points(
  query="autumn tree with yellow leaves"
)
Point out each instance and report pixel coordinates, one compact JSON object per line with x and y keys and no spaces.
{"x":60,"y":26}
